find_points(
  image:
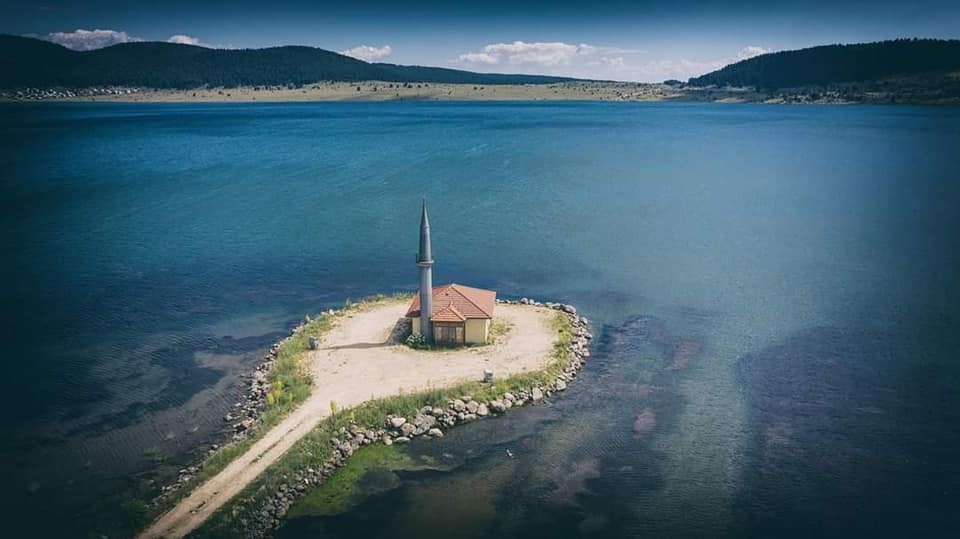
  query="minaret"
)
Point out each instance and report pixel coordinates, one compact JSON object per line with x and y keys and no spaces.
{"x":425,"y":263}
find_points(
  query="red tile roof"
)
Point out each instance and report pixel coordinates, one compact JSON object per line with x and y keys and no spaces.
{"x":449,"y":313}
{"x":464,"y":302}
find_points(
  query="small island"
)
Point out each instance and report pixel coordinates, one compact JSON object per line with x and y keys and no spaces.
{"x":384,"y":370}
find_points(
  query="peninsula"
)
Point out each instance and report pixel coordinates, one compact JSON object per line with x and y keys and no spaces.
{"x":402,"y":379}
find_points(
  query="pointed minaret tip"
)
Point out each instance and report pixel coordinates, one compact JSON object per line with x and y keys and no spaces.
{"x":426,"y":252}
{"x":424,"y":220}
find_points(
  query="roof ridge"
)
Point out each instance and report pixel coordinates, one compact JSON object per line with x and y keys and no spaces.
{"x":450,"y":307}
{"x":472,"y":299}
{"x":456,"y":287}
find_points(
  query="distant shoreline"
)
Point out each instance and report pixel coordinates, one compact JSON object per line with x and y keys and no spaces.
{"x":379,"y":91}
{"x":365,"y":91}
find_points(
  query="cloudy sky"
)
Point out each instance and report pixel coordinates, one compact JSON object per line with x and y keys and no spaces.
{"x":622,"y":40}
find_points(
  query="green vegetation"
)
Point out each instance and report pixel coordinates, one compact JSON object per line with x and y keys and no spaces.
{"x":338,"y":493}
{"x":831,"y":64}
{"x":416,"y":341}
{"x":28,"y":62}
{"x":314,"y":448}
{"x":498,"y":328}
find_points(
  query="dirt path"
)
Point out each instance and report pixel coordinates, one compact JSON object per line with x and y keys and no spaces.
{"x":354,"y":364}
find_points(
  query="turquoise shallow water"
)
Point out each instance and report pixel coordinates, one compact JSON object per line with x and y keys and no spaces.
{"x":800,"y":262}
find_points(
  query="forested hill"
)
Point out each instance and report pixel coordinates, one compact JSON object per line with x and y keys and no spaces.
{"x":832,"y":64}
{"x":27,"y":62}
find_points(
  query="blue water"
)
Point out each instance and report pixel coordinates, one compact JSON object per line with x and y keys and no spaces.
{"x":801,"y":260}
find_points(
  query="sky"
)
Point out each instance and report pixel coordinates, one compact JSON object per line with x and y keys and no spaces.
{"x":644,"y":41}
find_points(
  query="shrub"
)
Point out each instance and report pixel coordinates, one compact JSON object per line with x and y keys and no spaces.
{"x":417,"y":341}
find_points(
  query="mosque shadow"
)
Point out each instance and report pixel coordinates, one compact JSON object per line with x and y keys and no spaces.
{"x":401,"y":329}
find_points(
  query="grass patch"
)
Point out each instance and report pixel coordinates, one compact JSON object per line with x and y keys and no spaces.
{"x":340,"y":491}
{"x":314,"y":449}
{"x":498,"y":329}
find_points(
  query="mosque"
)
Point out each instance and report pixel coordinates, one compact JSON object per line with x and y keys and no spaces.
{"x":452,"y":314}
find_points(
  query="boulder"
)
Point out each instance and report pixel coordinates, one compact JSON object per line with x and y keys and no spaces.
{"x":459,"y":405}
{"x":472,"y":407}
{"x":482,"y":410}
{"x":402,"y":440}
{"x":561,"y":385}
{"x":497,"y":407}
{"x":435,"y":432}
{"x":397,"y":422}
{"x":423,"y":423}
{"x":536,"y":394}
{"x":408,"y":429}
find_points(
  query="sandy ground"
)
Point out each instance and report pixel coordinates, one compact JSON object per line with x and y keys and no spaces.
{"x":355,"y":363}
{"x":387,"y":91}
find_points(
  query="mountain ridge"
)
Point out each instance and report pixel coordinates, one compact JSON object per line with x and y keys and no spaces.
{"x":30,"y":62}
{"x":838,"y":64}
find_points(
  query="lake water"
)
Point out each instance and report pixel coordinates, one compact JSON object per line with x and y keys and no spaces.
{"x":774,"y":292}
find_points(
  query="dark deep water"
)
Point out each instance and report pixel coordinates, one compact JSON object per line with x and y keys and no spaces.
{"x":774,"y":289}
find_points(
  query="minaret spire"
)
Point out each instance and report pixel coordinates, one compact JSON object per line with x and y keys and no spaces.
{"x":426,"y":253}
{"x":425,"y":263}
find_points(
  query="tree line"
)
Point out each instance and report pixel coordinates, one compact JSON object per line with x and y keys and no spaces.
{"x":838,"y":63}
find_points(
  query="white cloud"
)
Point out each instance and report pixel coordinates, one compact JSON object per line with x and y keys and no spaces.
{"x":593,"y":61}
{"x":368,"y":53}
{"x":85,"y":40}
{"x":535,"y":53}
{"x":751,"y":51}
{"x":684,"y":68}
{"x":479,"y":58}
{"x":182,"y":39}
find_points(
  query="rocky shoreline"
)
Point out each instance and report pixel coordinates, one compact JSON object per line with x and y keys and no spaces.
{"x":430,"y":421}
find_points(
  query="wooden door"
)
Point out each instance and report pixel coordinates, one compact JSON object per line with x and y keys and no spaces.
{"x":448,"y":334}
